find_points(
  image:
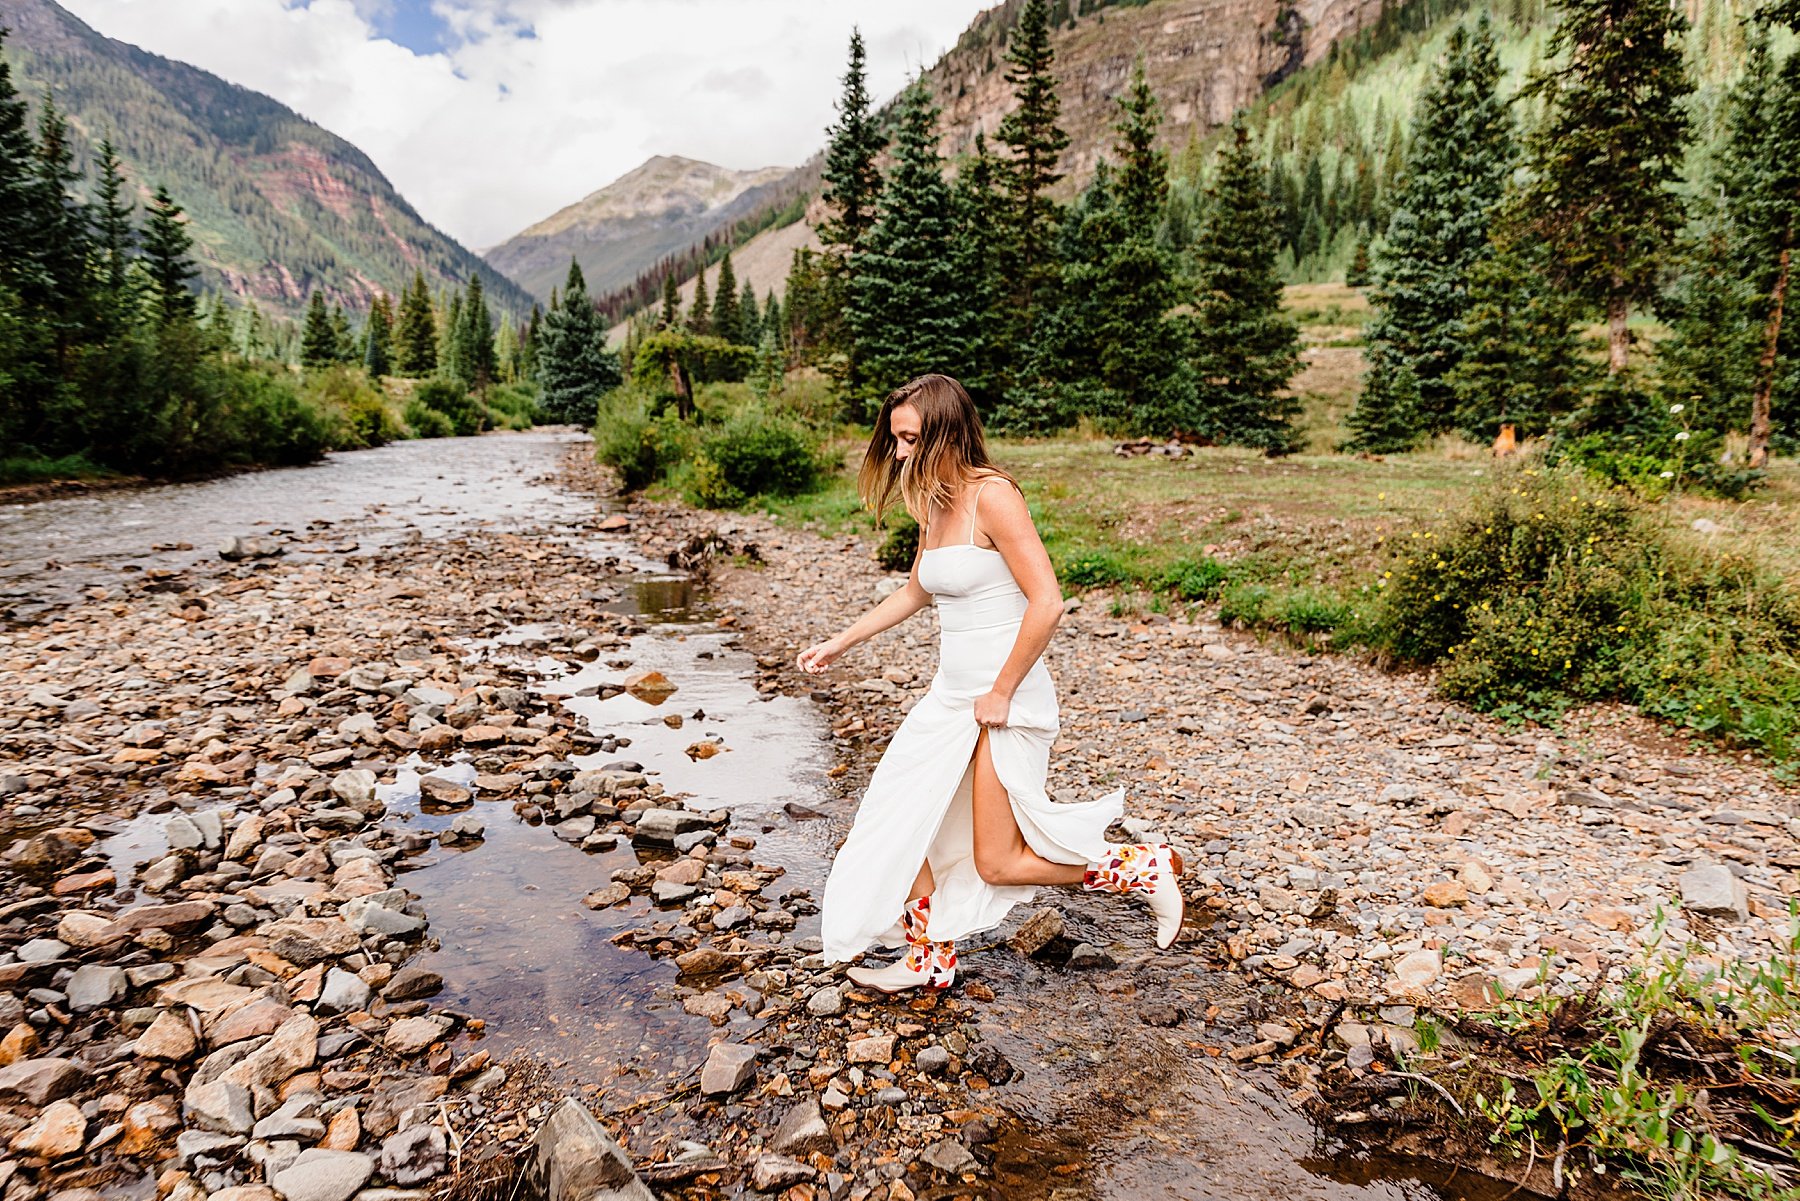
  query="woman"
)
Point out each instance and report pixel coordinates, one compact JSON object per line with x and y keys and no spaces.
{"x":955,"y":828}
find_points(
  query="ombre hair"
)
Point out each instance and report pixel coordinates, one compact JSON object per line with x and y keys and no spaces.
{"x":951,"y":450}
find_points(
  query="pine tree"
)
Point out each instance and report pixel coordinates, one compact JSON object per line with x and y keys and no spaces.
{"x":415,"y":338}
{"x":671,"y":303}
{"x":1759,"y":187}
{"x":65,"y":248}
{"x":1607,"y":161}
{"x":1245,"y":350}
{"x":450,"y":332}
{"x":20,"y":243}
{"x":908,"y":309}
{"x":378,"y":338}
{"x":1461,"y":156}
{"x":574,"y":365}
{"x":852,"y":179}
{"x":699,"y":319}
{"x":749,"y":320}
{"x":343,"y":337}
{"x":114,"y":239}
{"x":1036,"y":141}
{"x":978,"y":263}
{"x":725,"y":302}
{"x":528,"y":345}
{"x":474,"y":365}
{"x":318,"y":341}
{"x":1522,"y":361}
{"x":166,"y":264}
{"x":773,"y":319}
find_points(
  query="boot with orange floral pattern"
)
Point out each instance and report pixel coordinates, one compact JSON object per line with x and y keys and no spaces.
{"x":926,"y":964}
{"x":1153,"y":871}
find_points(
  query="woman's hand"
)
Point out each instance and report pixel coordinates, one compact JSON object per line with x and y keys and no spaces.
{"x":817,"y":657}
{"x":992,"y":709}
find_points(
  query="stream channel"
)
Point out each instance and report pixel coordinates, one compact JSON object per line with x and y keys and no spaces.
{"x":516,"y":948}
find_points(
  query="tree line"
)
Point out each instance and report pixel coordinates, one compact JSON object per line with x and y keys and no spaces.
{"x":1506,"y":239}
{"x":1049,"y":312}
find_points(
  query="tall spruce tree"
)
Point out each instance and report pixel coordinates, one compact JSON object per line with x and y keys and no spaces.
{"x":1607,"y":161}
{"x":529,"y":342}
{"x":1522,"y":362}
{"x":574,"y":365}
{"x":1461,"y":155}
{"x":978,"y":216}
{"x":909,"y":309}
{"x":671,"y":303}
{"x":415,"y":337}
{"x":318,"y":341}
{"x":725,"y":302}
{"x":115,"y":239}
{"x":1030,"y":131}
{"x":474,"y":364}
{"x":699,"y":319}
{"x":851,"y":174}
{"x":21,"y":270}
{"x":1244,"y":348}
{"x":167,"y":266}
{"x":378,"y":353}
{"x":749,"y":317}
{"x":65,"y":249}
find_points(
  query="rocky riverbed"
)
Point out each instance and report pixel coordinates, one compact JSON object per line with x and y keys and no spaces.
{"x":338,"y":853}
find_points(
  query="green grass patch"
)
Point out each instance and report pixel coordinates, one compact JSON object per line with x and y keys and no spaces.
{"x":35,"y":469}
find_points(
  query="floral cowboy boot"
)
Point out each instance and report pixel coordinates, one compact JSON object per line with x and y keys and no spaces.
{"x":926,"y":964}
{"x":1153,"y":871}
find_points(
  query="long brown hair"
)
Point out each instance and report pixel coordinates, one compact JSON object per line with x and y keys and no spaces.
{"x":951,"y":450}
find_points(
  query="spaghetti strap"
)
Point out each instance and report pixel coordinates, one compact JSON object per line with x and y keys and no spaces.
{"x":974,"y":503}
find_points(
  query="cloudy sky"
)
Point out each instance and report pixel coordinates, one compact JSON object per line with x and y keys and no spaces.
{"x":491,"y":114}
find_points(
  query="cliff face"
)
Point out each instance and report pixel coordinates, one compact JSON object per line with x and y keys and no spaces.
{"x":1205,"y":60}
{"x":277,"y":206}
{"x":662,"y":207}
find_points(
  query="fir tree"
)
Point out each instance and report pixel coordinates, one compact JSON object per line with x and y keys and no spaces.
{"x":528,"y":345}
{"x":671,"y":303}
{"x":318,"y":341}
{"x":20,"y":268}
{"x":1460,"y":159}
{"x":1030,"y":131}
{"x":749,"y":322}
{"x":1606,"y":163}
{"x":979,"y":218}
{"x":1244,"y":348}
{"x":574,"y":365}
{"x":114,"y":238}
{"x":852,"y":179}
{"x":1522,"y":362}
{"x":415,"y":337}
{"x":343,"y":337}
{"x":725,"y":303}
{"x":475,"y":364}
{"x":699,"y":319}
{"x":773,"y":319}
{"x":166,"y":264}
{"x":450,"y":357}
{"x":908,"y":309}
{"x":378,"y":338}
{"x":64,"y":252}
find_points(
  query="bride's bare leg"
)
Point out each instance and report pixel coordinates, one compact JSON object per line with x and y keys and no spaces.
{"x":1001,"y":855}
{"x":923,"y":883}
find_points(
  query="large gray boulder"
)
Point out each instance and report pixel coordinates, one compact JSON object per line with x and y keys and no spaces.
{"x":573,"y":1158}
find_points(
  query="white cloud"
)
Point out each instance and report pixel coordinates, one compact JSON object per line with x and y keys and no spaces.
{"x":538,"y":102}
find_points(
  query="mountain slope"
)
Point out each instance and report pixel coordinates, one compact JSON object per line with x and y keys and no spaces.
{"x":617,"y":232}
{"x":278,"y":205}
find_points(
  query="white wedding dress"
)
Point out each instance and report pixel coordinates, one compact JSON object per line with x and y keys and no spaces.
{"x":918,"y":804}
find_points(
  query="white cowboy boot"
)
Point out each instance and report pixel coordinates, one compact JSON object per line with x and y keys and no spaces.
{"x":1152,"y":870}
{"x":926,"y":964}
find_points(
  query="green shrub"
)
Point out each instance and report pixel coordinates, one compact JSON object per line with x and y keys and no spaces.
{"x":1553,"y":591}
{"x":466,"y":414}
{"x":512,"y":406}
{"x":758,"y":454}
{"x":425,"y":421}
{"x":1311,"y":611}
{"x":1195,"y":579}
{"x":35,"y":469}
{"x":901,"y":545}
{"x":358,"y":408}
{"x":639,"y":444}
{"x":1245,"y":604}
{"x":272,"y":424}
{"x":1096,"y":569}
{"x":704,"y":484}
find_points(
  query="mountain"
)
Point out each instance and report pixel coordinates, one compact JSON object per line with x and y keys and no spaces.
{"x":618,"y":232}
{"x":278,"y":205}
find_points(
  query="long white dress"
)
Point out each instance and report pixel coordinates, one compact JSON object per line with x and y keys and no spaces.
{"x":918,"y":804}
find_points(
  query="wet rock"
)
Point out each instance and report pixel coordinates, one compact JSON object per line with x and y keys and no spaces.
{"x":177,"y":916}
{"x":950,"y":1156}
{"x":573,"y":1158}
{"x":466,"y":828}
{"x":659,"y":827}
{"x":932,"y":1059}
{"x":1713,"y":889}
{"x":59,"y":1131}
{"x":825,"y":1002}
{"x":728,"y":1067}
{"x":414,"y":1156}
{"x":774,"y":1172}
{"x":320,"y":1175}
{"x":248,"y":546}
{"x":306,"y":941}
{"x":444,"y":793}
{"x":706,"y":961}
{"x":1086,"y":955}
{"x":605,"y":897}
{"x":650,"y":686}
{"x":39,"y":1081}
{"x":410,"y":1036}
{"x":803,"y":1131}
{"x":412,"y":983}
{"x":1038,"y":931}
